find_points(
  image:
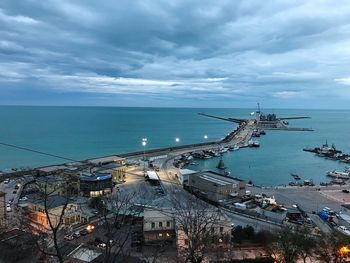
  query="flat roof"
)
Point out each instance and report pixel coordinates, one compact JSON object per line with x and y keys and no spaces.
{"x":107,"y":159}
{"x":95,"y":176}
{"x":187,"y":171}
{"x":217,"y":178}
{"x":52,"y":201}
{"x":84,"y":254}
{"x":152,"y":175}
{"x":49,"y":169}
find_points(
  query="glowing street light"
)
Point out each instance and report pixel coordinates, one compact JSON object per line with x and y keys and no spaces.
{"x":144,"y":143}
{"x":205,"y":137}
{"x":177,"y":139}
{"x":344,"y":250}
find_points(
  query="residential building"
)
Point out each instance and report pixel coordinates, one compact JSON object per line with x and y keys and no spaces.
{"x":215,"y":186}
{"x":95,"y":184}
{"x":2,"y":209}
{"x":218,"y":231}
{"x":158,"y":225}
{"x":55,"y":205}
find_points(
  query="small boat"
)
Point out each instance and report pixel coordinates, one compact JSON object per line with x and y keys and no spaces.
{"x":262,"y":132}
{"x":296,"y":177}
{"x":256,"y":144}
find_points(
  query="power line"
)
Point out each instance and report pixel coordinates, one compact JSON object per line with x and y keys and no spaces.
{"x":36,"y":151}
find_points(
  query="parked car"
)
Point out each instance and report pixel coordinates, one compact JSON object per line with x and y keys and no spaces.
{"x":24,"y":198}
{"x":83,"y":232}
{"x":102,"y":245}
{"x":68,"y":237}
{"x":6,"y":181}
{"x":76,"y":235}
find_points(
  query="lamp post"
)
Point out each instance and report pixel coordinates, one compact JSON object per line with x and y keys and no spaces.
{"x":177,"y":139}
{"x":144,"y":143}
{"x":205,"y":137}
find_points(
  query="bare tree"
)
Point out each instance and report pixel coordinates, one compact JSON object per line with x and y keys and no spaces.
{"x":120,"y":214}
{"x":198,"y":225}
{"x":284,"y":247}
{"x":49,"y":196}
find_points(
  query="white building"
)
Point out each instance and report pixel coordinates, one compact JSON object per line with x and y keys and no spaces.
{"x":158,"y":225}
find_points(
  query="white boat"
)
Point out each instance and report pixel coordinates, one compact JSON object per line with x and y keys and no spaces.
{"x":343,"y":230}
{"x":341,"y":175}
{"x":256,"y":144}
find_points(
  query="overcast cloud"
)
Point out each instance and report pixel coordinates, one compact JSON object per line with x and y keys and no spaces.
{"x":204,"y":53}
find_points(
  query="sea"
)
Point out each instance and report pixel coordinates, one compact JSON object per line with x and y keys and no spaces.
{"x":79,"y":133}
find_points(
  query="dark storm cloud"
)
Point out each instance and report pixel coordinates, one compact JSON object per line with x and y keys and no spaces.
{"x":199,"y":51}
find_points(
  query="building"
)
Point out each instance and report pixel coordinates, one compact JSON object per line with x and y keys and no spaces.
{"x":2,"y":209}
{"x":95,"y":184}
{"x":58,"y":185}
{"x":215,"y":187}
{"x":107,"y":160}
{"x":118,"y":171}
{"x":217,"y":233}
{"x":158,"y":226}
{"x":274,"y":213}
{"x":55,"y":205}
{"x":184,"y":174}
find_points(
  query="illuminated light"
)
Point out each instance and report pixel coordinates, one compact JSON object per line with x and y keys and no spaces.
{"x":177,"y":139}
{"x":344,"y":250}
{"x":205,"y":136}
{"x":144,"y":143}
{"x":90,"y":228}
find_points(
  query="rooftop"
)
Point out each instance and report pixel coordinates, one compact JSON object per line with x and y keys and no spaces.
{"x":105,"y":160}
{"x":95,"y":176}
{"x":152,"y":175}
{"x":84,"y":254}
{"x":108,"y":166}
{"x":217,"y":178}
{"x":52,"y":201}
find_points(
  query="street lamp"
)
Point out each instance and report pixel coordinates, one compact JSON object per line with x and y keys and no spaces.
{"x":177,"y":139}
{"x":205,"y":137}
{"x":144,"y":143}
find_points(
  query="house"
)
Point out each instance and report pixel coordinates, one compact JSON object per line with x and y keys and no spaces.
{"x":55,"y":205}
{"x":215,"y":186}
{"x":158,"y":225}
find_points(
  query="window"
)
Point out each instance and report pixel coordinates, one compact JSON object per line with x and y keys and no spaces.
{"x":160,"y":224}
{"x":153,"y":225}
{"x":168,"y":223}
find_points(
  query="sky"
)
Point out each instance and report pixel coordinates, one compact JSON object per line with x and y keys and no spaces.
{"x":175,"y":53}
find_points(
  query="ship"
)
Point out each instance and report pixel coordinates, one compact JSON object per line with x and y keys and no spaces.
{"x":340,"y":175}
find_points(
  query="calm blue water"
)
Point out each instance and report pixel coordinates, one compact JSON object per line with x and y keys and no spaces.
{"x":86,"y":132}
